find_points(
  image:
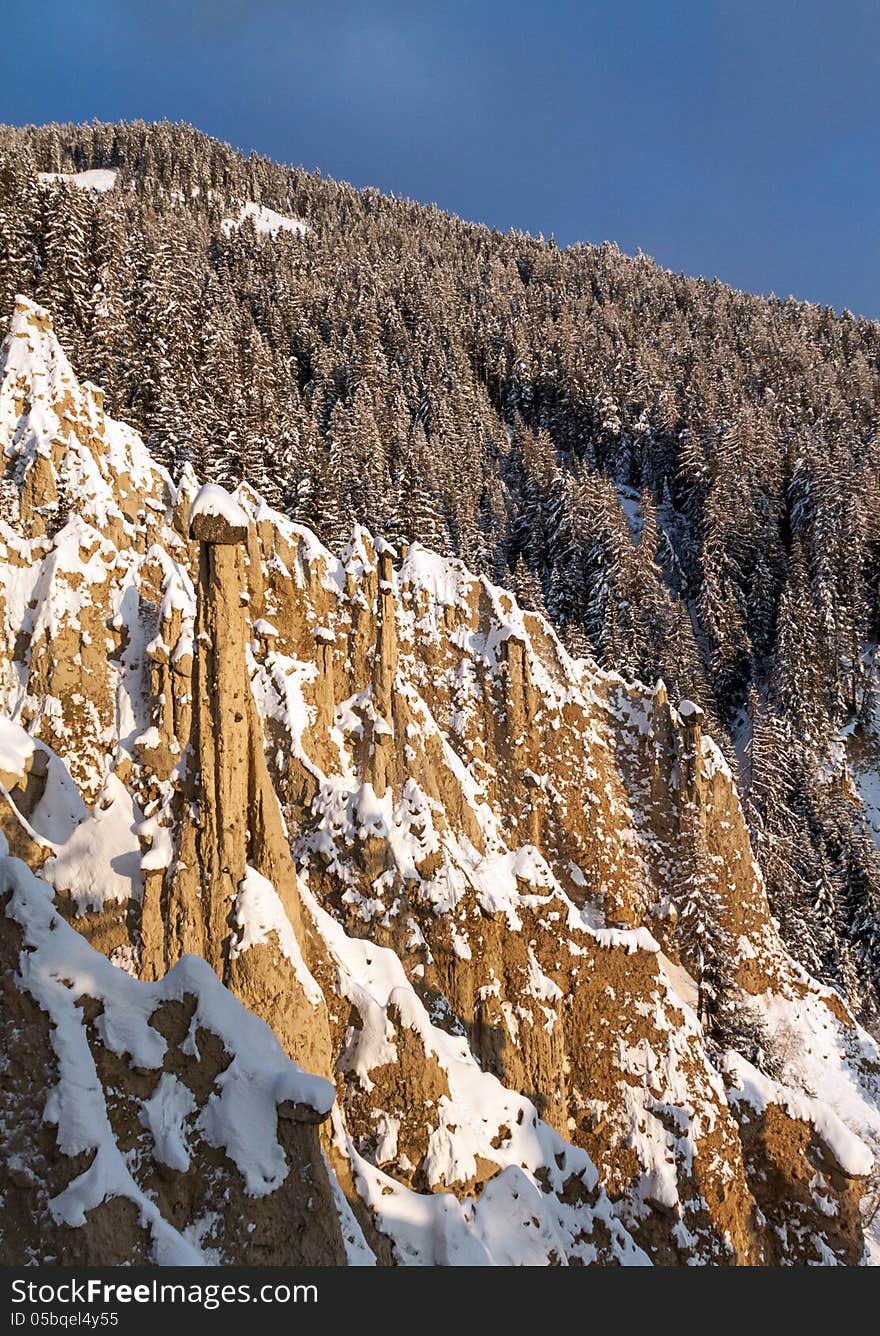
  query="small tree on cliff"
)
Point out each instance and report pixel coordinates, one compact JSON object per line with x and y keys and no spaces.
{"x":58,"y":512}
{"x":703,"y":940}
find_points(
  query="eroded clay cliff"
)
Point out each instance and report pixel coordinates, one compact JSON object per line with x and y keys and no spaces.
{"x":446,"y":863}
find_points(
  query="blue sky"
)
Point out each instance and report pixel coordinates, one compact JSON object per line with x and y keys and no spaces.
{"x":731,"y":139}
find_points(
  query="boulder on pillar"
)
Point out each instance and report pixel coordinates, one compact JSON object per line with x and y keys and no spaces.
{"x":216,"y":517}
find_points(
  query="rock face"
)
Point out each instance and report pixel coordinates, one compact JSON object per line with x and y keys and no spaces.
{"x":456,"y":872}
{"x":147,"y":1122}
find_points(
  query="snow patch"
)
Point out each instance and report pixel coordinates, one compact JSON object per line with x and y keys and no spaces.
{"x":257,"y":912}
{"x":98,"y":179}
{"x":101,"y":861}
{"x":749,"y":1086}
{"x":163,"y":1114}
{"x":266,"y":221}
{"x":212,"y":499}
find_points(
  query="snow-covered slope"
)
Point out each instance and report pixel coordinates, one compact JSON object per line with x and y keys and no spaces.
{"x":266,"y":222}
{"x":441,"y":859}
{"x":98,"y":179}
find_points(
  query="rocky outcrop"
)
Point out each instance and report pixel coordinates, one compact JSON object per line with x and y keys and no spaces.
{"x":446,"y":863}
{"x":229,"y":832}
{"x":146,"y":1122}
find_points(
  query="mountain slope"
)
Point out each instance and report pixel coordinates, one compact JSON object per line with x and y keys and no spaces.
{"x":683,"y":477}
{"x":504,"y":900}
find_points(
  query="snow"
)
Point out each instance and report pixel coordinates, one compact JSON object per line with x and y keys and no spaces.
{"x":257,"y":912}
{"x":160,"y":853}
{"x":631,"y":505}
{"x":100,"y":863}
{"x":833,"y":1064}
{"x":514,"y":1221}
{"x":132,"y":706}
{"x":61,"y":809}
{"x":867,"y":781}
{"x":212,"y":499}
{"x":749,"y":1086}
{"x":861,"y":750}
{"x":16,"y":747}
{"x":682,"y":983}
{"x":265,"y":221}
{"x":265,"y":629}
{"x":445,"y":581}
{"x":98,"y":179}
{"x":511,"y":1223}
{"x":357,"y":1251}
{"x":164,"y":1114}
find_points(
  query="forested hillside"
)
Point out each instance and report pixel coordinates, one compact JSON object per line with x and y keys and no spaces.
{"x":682,"y":477}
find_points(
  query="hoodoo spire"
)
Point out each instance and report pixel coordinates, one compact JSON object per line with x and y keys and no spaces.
{"x":220,"y":713}
{"x":234,"y":884}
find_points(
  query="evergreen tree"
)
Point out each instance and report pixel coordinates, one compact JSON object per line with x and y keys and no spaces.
{"x":701,"y":933}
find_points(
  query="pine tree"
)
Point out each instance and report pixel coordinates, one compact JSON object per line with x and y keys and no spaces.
{"x":701,"y":933}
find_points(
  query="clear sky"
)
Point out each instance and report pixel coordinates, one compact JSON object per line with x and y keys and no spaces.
{"x":737,"y":139}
